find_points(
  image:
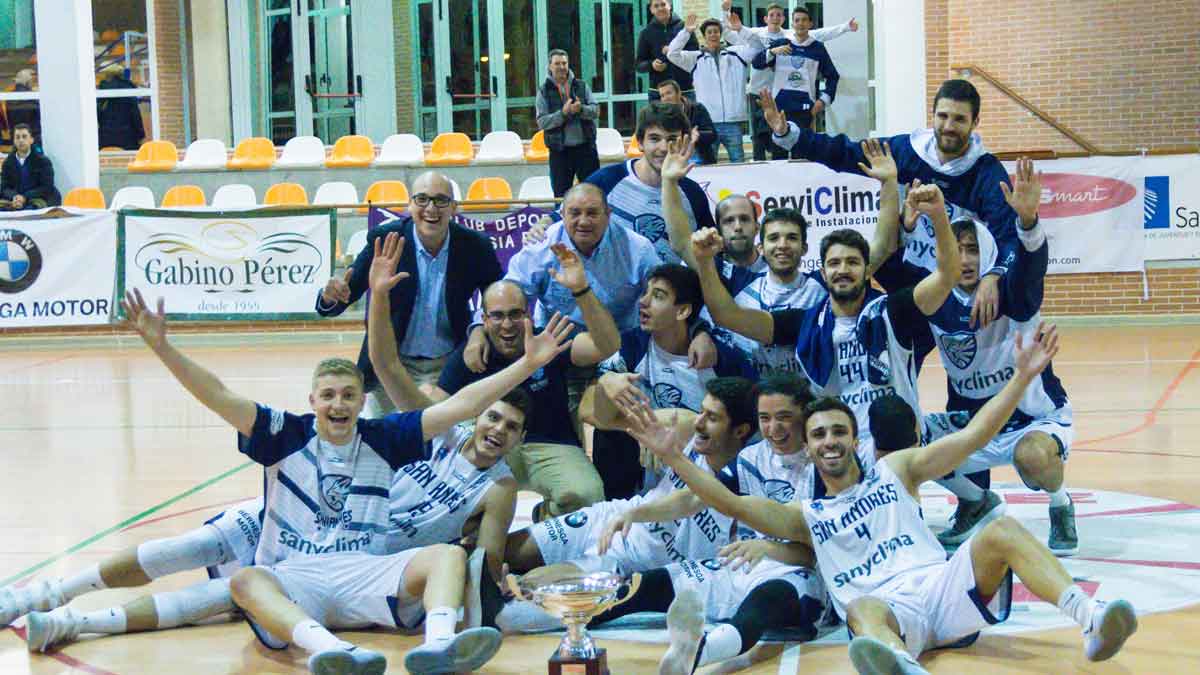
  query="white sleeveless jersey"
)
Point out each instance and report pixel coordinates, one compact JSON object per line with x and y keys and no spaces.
{"x":868,"y":535}
{"x":768,"y":295}
{"x":432,"y":500}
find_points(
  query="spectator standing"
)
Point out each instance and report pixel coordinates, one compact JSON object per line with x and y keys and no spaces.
{"x":27,"y":175}
{"x":119,"y":119}
{"x":566,"y":114}
{"x":652,"y":49}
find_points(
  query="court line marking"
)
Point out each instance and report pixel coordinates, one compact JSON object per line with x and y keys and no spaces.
{"x":789,"y":660}
{"x":65,"y":658}
{"x":123,"y":524}
{"x":1151,"y":417}
{"x":35,"y":364}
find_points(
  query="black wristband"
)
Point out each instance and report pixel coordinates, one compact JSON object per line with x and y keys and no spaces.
{"x":580,"y":294}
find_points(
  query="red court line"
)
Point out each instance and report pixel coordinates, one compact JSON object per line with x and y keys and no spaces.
{"x":1142,"y":510}
{"x":1173,"y":564}
{"x":65,"y":658}
{"x":35,"y":364}
{"x":182,"y":513}
{"x":1152,"y":416}
{"x":1152,"y":453}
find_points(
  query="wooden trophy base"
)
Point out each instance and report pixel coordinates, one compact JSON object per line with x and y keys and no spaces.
{"x":570,"y":665}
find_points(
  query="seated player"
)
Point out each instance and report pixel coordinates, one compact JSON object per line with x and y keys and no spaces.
{"x":887,"y":574}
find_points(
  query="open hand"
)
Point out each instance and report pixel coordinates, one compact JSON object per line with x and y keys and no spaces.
{"x":1026,"y":192}
{"x":149,"y":324}
{"x":882,"y":166}
{"x":665,"y":441}
{"x":744,"y":555}
{"x":622,"y":524}
{"x":554,"y":340}
{"x":384,"y":262}
{"x":775,"y":119}
{"x":677,"y":162}
{"x":571,"y":275}
{"x":1033,"y":354}
{"x":735,"y":22}
{"x":536,"y":233}
{"x":623,"y":390}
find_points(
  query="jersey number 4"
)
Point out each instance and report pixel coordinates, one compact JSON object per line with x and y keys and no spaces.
{"x":862,"y":531}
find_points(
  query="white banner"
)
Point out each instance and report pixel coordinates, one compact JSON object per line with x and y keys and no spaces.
{"x":232,"y":265}
{"x":57,"y":269}
{"x":1091,"y":207}
{"x":1172,"y":207}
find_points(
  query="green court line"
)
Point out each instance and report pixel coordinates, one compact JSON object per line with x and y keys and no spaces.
{"x":123,"y":524}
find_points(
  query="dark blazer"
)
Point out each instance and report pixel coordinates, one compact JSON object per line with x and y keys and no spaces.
{"x":41,"y":171}
{"x":472,"y":265}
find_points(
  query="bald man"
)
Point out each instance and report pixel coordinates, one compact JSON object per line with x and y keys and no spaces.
{"x":446,"y":263}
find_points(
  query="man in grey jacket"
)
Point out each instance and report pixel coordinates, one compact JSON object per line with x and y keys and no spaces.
{"x":566,"y":114}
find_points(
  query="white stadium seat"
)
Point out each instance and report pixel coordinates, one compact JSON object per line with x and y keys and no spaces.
{"x":536,"y":187}
{"x":205,"y":153}
{"x":501,"y":147}
{"x":357,"y":242}
{"x":235,"y":196}
{"x":401,"y":150}
{"x":336,"y":192}
{"x":132,"y":197}
{"x":302,"y":151}
{"x":609,"y":144}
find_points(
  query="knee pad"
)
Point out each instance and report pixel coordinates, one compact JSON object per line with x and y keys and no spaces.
{"x":202,"y":547}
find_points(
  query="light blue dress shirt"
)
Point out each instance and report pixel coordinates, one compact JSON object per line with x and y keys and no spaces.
{"x":617,"y":271}
{"x":429,"y":334}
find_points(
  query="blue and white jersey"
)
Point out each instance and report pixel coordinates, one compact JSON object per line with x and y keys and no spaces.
{"x":322,"y":498}
{"x":735,"y":277}
{"x":762,"y":472}
{"x":697,"y":537}
{"x":638,"y":206}
{"x":769,"y":295}
{"x":432,"y":500}
{"x":666,"y":378}
{"x":868,"y":535}
{"x":796,"y":74}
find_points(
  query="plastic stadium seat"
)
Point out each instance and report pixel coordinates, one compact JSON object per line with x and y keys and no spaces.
{"x":336,"y":192}
{"x":609,"y":144}
{"x":634,"y":150}
{"x":302,"y":151}
{"x":112,"y":148}
{"x":183,"y":196}
{"x":536,"y":187}
{"x":286,"y":194}
{"x":537,"y":152}
{"x":253,"y":153}
{"x":132,"y":197}
{"x":351,"y":151}
{"x":155,"y":156}
{"x":357,"y":242}
{"x":450,"y":149}
{"x":500,"y":147}
{"x":235,"y":196}
{"x":385,"y":191}
{"x":205,"y":153}
{"x":401,"y":150}
{"x":455,"y":190}
{"x":488,"y":188}
{"x":84,"y":198}
{"x":110,"y":35}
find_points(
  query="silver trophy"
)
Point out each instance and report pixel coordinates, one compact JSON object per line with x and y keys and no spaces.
{"x":575,"y":600}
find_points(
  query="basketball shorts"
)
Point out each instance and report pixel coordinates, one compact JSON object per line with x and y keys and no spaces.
{"x":724,"y":589}
{"x":1001,"y":450}
{"x":240,"y":528}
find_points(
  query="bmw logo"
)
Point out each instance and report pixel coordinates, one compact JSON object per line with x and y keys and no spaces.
{"x":20,"y":261}
{"x":576,"y":519}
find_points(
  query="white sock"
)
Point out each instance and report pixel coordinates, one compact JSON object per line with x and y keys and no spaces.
{"x":1059,"y":497}
{"x":723,"y":642}
{"x":108,"y":621}
{"x":312,"y":637}
{"x":521,"y":616}
{"x":194,"y":603}
{"x":1077,"y":605}
{"x":439,"y":624}
{"x":962,"y":487}
{"x":84,"y":582}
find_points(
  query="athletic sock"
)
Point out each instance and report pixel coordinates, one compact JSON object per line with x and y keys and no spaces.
{"x":1059,"y":497}
{"x":108,"y":621}
{"x":962,"y":487}
{"x":720,"y":643}
{"x":202,"y":547}
{"x":1075,"y":603}
{"x":84,"y":582}
{"x":520,"y":616}
{"x":439,"y":624}
{"x":312,"y":637}
{"x":194,"y":603}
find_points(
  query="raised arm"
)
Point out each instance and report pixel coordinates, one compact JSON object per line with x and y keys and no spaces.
{"x":917,"y":465}
{"x":675,"y":52}
{"x":151,"y":325}
{"x":604,"y":402}
{"x":765,"y":515}
{"x":675,"y":166}
{"x":753,"y":323}
{"x":932,"y":291}
{"x":602,"y":338}
{"x":887,"y":229}
{"x":833,"y":32}
{"x":381,"y":335}
{"x":474,"y":398}
{"x":341,"y":292}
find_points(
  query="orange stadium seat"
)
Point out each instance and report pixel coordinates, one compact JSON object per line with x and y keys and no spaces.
{"x":634,"y":149}
{"x":183,"y":196}
{"x":155,"y":156}
{"x":112,"y":148}
{"x":450,"y":149}
{"x":351,"y":151}
{"x":286,"y":194}
{"x":84,"y":198}
{"x":537,"y":151}
{"x":110,"y":35}
{"x":488,"y":188}
{"x":384,"y":191}
{"x":252,"y":153}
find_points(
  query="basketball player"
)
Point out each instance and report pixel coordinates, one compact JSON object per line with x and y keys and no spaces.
{"x":887,"y":574}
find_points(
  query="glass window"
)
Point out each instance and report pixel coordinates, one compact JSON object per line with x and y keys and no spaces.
{"x":18,"y":72}
{"x":124,"y":84}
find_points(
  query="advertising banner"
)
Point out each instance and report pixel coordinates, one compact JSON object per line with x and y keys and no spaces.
{"x":505,"y":231}
{"x":57,"y":268}
{"x":229,"y":265}
{"x":1172,"y":207}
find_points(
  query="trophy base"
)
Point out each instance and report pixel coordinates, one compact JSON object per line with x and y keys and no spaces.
{"x":574,"y":665}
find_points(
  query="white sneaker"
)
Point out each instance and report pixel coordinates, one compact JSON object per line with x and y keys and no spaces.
{"x":1112,"y":624}
{"x":872,"y":657}
{"x":42,"y":595}
{"x":685,"y":627}
{"x":353,"y":661}
{"x":47,"y":629}
{"x":465,"y":652}
{"x":472,"y":605}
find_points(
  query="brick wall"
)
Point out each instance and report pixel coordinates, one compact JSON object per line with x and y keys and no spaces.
{"x":170,"y":78}
{"x":406,"y":95}
{"x":1172,"y":291}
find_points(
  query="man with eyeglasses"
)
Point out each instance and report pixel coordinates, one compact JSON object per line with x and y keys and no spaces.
{"x":551,"y":462}
{"x":446,"y":264}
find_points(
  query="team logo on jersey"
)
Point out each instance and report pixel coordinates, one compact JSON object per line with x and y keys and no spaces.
{"x":334,"y":488}
{"x":20,"y":261}
{"x":667,"y":395}
{"x":960,"y":347}
{"x":576,"y":519}
{"x":879,"y":369}
{"x":779,"y":490}
{"x":651,"y":226}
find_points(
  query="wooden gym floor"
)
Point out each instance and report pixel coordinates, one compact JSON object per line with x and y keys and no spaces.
{"x":102,"y":450}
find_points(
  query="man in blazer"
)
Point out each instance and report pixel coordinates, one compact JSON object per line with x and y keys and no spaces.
{"x":445,"y":262}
